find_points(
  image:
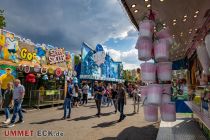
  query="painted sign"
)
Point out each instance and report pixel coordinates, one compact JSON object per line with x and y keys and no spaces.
{"x":56,"y":56}
{"x":25,"y":54}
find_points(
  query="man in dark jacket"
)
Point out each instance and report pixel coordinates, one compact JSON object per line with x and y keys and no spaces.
{"x":67,"y":101}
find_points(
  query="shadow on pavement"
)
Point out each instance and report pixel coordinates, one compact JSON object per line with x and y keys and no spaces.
{"x":46,"y":121}
{"x":107,"y":114}
{"x":83,"y":118}
{"x":148,"y":132}
{"x":131,"y":114}
{"x":105,"y":124}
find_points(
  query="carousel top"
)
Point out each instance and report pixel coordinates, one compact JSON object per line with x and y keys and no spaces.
{"x":184,"y":18}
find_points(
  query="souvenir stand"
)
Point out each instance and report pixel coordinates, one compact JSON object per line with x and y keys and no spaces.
{"x":41,"y":68}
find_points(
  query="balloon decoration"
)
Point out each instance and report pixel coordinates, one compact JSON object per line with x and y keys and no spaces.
{"x":37,"y":68}
{"x":26,"y":69}
{"x":58,"y":72}
{"x":43,"y":70}
{"x":45,"y":77}
{"x":31,"y":78}
{"x":20,"y":67}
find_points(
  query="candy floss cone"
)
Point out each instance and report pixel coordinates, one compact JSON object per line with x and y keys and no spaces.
{"x":168,"y":112}
{"x":151,"y":113}
{"x":161,"y":50}
{"x":143,"y":92}
{"x":148,"y":72}
{"x":164,"y":34}
{"x":203,"y":58}
{"x":144,"y":46}
{"x":164,"y":71}
{"x":207,"y":42}
{"x":146,"y":28}
{"x":154,"y":94}
{"x":166,"y":97}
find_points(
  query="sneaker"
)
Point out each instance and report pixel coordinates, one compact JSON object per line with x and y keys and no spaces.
{"x":20,"y":121}
{"x":63,"y":118}
{"x":123,"y":117}
{"x":68,"y":117}
{"x":6,"y":121}
{"x":119,"y":120}
{"x":11,"y":125}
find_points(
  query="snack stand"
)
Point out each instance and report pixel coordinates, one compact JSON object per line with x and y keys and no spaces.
{"x":189,"y":24}
{"x":42,"y":69}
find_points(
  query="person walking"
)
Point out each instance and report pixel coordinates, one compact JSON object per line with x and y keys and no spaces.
{"x":76,"y":95}
{"x":7,"y":102}
{"x":98,"y":91}
{"x":85,"y":90}
{"x":136,"y":98}
{"x":18,"y":95}
{"x":121,"y":99}
{"x":109,"y":95}
{"x":67,"y":101}
{"x":114,"y":96}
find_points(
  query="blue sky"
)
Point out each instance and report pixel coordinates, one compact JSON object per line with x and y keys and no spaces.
{"x":67,"y":23}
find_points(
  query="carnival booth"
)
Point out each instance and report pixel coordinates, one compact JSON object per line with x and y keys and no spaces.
{"x":41,"y":68}
{"x":98,"y":65}
{"x":176,"y":34}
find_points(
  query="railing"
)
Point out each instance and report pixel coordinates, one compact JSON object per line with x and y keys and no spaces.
{"x":38,"y":98}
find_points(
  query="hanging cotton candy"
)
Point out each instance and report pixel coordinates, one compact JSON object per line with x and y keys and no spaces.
{"x":207,"y":42}
{"x":165,"y":34}
{"x":146,"y":28}
{"x":203,"y":58}
{"x":144,"y":46}
{"x":161,"y":50}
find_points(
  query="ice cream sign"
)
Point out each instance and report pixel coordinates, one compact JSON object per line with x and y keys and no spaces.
{"x":56,"y":56}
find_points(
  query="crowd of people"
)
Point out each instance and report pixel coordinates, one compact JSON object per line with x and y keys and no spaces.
{"x":104,"y":95}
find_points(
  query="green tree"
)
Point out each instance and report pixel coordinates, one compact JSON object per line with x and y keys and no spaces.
{"x":2,"y":19}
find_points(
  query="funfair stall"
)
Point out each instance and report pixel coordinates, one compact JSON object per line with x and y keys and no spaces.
{"x":176,"y":31}
{"x":41,"y":68}
{"x":97,"y":65}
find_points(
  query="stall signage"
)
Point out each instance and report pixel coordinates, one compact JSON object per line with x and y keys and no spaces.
{"x":25,"y":54}
{"x":56,"y":56}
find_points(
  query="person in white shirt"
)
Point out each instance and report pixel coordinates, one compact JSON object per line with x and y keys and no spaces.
{"x":136,"y":97}
{"x":18,"y":95}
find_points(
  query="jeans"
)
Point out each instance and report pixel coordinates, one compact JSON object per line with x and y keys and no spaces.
{"x":104,"y":100}
{"x":84,"y":99}
{"x":67,"y":105}
{"x":98,"y":105}
{"x":17,"y":110}
{"x":7,"y":113}
{"x":109,"y":100}
{"x":136,"y":101}
{"x":121,"y":103}
{"x":115,"y":104}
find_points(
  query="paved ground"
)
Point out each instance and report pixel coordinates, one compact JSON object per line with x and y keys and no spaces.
{"x":83,"y":125}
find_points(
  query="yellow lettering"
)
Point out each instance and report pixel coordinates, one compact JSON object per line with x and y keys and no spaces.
{"x":23,"y":53}
{"x":29,"y":56}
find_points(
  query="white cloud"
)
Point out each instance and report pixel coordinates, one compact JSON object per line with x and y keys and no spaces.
{"x":128,"y":58}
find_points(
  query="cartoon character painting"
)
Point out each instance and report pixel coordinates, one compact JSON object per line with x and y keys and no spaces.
{"x":6,"y":78}
{"x":41,"y":53}
{"x":12,"y":46}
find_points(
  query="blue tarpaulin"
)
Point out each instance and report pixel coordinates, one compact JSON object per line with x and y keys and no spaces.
{"x":180,"y":64}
